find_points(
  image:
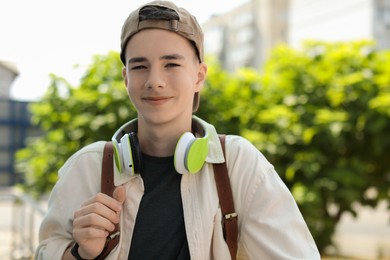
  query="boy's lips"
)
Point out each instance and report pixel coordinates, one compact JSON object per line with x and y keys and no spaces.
{"x":156,"y":100}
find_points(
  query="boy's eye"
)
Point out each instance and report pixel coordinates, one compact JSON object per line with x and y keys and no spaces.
{"x":139,"y":67}
{"x":171,"y":65}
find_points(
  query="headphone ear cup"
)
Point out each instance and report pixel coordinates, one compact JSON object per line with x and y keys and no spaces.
{"x":136,"y":152}
{"x":190,"y":153}
{"x":117,"y":155}
{"x":196,"y":154}
{"x":184,"y":142}
{"x":127,"y":155}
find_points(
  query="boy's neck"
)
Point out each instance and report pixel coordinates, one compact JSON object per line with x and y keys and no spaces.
{"x":160,"y":140}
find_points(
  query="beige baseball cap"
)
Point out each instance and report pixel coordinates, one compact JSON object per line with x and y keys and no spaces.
{"x":187,"y":26}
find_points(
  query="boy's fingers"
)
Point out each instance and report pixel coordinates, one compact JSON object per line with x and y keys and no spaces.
{"x":119,"y":194}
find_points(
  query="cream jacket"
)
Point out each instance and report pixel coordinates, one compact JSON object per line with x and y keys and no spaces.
{"x":270,"y":224}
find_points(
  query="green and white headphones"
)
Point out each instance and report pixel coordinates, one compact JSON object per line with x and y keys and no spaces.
{"x":190,"y":152}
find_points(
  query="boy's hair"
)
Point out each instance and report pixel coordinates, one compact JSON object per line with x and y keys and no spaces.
{"x":164,"y":15}
{"x":152,"y":12}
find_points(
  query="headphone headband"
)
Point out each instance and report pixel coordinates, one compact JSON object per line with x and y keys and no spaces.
{"x":198,"y":127}
{"x":129,"y":127}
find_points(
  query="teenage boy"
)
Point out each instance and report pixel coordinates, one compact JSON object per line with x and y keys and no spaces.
{"x":163,"y":214}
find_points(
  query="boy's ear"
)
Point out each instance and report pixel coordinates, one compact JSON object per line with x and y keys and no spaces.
{"x":124,"y":75}
{"x":202,"y":73}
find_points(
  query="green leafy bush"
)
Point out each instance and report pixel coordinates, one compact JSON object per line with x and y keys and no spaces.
{"x":321,"y":115}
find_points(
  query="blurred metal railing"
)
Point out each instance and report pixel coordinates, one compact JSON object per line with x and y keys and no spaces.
{"x":21,"y":231}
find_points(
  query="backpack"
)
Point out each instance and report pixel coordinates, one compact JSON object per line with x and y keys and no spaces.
{"x":229,"y":221}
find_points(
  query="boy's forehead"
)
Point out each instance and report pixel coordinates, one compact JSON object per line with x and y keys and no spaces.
{"x":159,"y":41}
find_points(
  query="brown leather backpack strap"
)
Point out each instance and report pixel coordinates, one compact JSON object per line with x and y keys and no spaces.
{"x":225,"y":195}
{"x":107,"y":181}
{"x":107,"y":187}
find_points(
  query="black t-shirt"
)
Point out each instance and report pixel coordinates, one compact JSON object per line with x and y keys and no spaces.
{"x":159,"y":231}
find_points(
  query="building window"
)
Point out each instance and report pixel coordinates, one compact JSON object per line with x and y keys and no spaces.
{"x":244,"y":35}
{"x":241,"y":55}
{"x":214,"y":40}
{"x":241,"y":20}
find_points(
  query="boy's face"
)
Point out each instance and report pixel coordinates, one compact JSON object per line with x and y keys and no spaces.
{"x":162,"y":74}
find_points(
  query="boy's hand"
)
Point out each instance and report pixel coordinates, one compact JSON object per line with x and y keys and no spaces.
{"x":95,"y":220}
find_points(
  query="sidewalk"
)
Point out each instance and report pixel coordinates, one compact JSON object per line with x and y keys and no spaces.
{"x":14,"y":217}
{"x":5,"y":229}
{"x":367,"y":236}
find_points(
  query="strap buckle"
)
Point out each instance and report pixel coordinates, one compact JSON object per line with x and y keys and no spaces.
{"x":114,"y":235}
{"x":230,"y":216}
{"x":174,"y":25}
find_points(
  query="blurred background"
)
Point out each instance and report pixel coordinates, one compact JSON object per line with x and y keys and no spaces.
{"x":307,"y":82}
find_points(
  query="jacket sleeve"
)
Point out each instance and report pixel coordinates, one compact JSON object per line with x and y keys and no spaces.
{"x":79,"y":179}
{"x":270,"y":223}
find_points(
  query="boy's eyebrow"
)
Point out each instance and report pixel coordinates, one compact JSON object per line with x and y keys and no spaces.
{"x":164,"y":57}
{"x":136,"y":59}
{"x":172,"y":57}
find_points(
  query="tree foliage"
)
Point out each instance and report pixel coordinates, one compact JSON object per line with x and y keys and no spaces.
{"x":321,"y":115}
{"x":72,"y":117}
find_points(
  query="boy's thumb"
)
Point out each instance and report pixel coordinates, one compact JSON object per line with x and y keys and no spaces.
{"x":119,"y":194}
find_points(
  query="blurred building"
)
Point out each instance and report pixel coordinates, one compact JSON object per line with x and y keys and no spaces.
{"x":15,"y":125}
{"x":333,"y":20}
{"x":8,"y":73}
{"x":246,"y":35}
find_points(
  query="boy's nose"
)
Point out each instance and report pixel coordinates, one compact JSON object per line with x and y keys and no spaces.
{"x":155,"y":79}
